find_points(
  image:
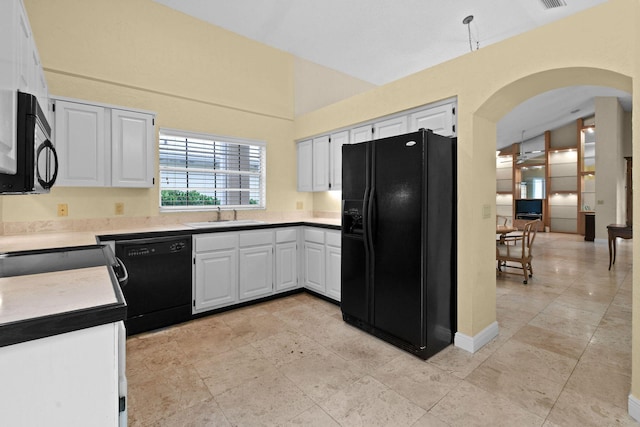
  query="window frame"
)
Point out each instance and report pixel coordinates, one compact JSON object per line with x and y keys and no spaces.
{"x":181,"y":134}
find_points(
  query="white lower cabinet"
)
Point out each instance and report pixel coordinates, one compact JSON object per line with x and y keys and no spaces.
{"x":215,"y":271}
{"x":286,"y":259}
{"x":256,"y":264}
{"x":334,"y":255}
{"x":232,"y":267}
{"x":321,"y":261}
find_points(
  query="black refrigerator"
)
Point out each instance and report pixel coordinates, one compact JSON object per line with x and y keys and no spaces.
{"x":399,"y":240}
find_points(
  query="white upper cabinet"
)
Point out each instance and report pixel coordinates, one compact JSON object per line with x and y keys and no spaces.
{"x":132,"y":149}
{"x":305,"y":165}
{"x":321,"y":163}
{"x":320,"y":169}
{"x":361,"y":134}
{"x":439,"y":119}
{"x":101,"y":146}
{"x":335,"y":164}
{"x":390,"y":127}
{"x":20,"y":69}
{"x":82,"y":152}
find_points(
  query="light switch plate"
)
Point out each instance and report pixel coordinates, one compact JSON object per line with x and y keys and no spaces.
{"x":486,"y":211}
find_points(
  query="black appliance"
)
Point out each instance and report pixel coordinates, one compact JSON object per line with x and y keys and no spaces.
{"x":158,"y":289}
{"x":36,"y":158}
{"x":530,"y":209}
{"x":398,"y":239}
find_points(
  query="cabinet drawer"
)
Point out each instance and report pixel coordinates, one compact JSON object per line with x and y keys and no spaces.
{"x":256,"y":238}
{"x":333,"y":239}
{"x":215,"y":242}
{"x":312,"y":235}
{"x":288,"y":235}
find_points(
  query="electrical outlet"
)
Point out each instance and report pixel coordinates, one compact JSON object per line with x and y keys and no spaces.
{"x":299,"y":205}
{"x":63,"y":209}
{"x":600,"y":202}
{"x":119,"y":208}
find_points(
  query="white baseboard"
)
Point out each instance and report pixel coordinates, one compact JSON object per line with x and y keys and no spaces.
{"x":634,"y":407}
{"x":475,"y":343}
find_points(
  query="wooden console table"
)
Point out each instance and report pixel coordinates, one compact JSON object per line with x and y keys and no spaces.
{"x":617,"y":230}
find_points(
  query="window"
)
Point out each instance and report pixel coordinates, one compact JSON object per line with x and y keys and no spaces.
{"x":199,"y":171}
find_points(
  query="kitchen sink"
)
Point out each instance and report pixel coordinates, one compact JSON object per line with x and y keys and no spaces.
{"x":229,"y":223}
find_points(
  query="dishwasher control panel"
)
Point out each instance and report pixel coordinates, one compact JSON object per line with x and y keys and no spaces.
{"x":151,"y":248}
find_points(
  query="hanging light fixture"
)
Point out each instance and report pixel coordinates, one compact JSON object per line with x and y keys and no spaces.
{"x":467,"y":21}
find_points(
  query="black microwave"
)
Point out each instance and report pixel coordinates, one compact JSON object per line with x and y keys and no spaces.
{"x":36,"y":158}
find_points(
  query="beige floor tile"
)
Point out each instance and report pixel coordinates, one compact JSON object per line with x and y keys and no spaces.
{"x":269,"y":400}
{"x":288,"y":346}
{"x":551,"y":341}
{"x":367,"y":351}
{"x":481,"y":408}
{"x":534,"y":393}
{"x":573,"y":328}
{"x":369,"y":403}
{"x":421,"y":382}
{"x":157,"y":395}
{"x":320,"y":376}
{"x":314,"y":417}
{"x":204,"y":414}
{"x":602,"y":382}
{"x":255,"y":328}
{"x":233,"y":368}
{"x":574,"y":409}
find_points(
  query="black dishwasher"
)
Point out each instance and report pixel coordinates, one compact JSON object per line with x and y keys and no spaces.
{"x":158,"y":290}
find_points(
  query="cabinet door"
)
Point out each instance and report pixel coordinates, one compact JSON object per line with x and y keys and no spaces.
{"x":321,"y":164}
{"x":132,"y":149}
{"x":361,"y":134}
{"x":314,"y":266}
{"x":439,"y":119}
{"x":305,"y":165}
{"x":256,"y":272}
{"x":391,"y":127}
{"x":216,"y":282}
{"x":337,"y":141}
{"x":334,"y":256}
{"x":286,"y":266}
{"x":81,"y":145}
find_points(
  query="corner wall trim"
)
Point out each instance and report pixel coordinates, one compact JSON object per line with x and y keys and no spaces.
{"x":634,"y":407}
{"x":475,"y":343}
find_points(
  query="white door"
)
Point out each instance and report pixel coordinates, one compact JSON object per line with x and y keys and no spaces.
{"x":132,"y":147}
{"x":439,"y":119}
{"x":256,"y":272}
{"x":391,"y":127}
{"x":333,"y":272}
{"x":314,"y":266}
{"x":361,"y":134}
{"x":216,"y":283}
{"x":305,"y":165}
{"x":83,"y":153}
{"x":286,"y":266}
{"x":321,"y":163}
{"x":337,"y":141}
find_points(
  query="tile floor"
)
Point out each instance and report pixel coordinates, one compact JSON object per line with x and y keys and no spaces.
{"x":562,"y":358}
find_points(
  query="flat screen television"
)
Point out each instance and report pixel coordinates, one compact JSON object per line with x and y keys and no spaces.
{"x":529,"y":208}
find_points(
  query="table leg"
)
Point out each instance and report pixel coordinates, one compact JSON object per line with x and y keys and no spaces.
{"x":611,"y":241}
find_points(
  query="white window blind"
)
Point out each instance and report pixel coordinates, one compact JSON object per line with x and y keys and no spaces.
{"x":200,"y":171}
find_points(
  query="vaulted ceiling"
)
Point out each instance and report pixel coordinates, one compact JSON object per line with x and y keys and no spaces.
{"x":379,"y":41}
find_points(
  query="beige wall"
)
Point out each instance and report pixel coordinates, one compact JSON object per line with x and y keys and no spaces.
{"x":139,"y":54}
{"x":489,"y":83}
{"x":317,"y":86}
{"x":610,"y":195}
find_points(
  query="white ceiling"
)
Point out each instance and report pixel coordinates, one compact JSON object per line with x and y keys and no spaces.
{"x":379,"y":41}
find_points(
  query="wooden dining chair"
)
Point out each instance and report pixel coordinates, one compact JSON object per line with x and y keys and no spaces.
{"x":518,"y":250}
{"x":501,"y":220}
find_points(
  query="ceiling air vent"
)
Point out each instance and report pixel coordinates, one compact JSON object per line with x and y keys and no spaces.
{"x":551,"y":4}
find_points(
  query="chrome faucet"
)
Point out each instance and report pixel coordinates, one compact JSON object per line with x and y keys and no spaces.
{"x":235,"y":215}
{"x":218,"y":214}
